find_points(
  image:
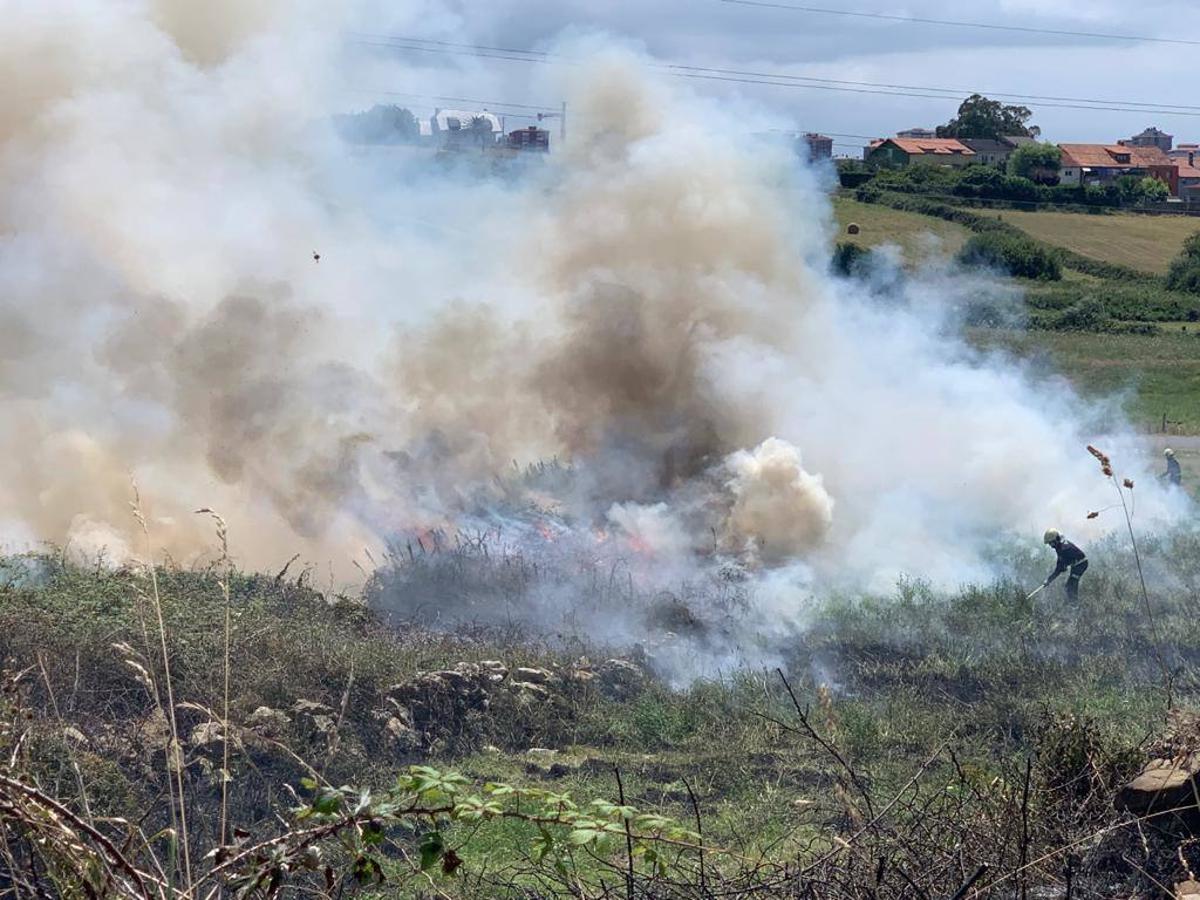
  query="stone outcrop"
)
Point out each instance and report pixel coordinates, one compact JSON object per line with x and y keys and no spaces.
{"x":1164,"y":786}
{"x":432,"y":706}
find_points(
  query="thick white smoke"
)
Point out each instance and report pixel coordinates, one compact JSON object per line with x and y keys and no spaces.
{"x":652,"y":308}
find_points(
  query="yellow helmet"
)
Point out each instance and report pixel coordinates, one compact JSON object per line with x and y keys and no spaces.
{"x":1168,"y":453}
{"x":1051,"y":535}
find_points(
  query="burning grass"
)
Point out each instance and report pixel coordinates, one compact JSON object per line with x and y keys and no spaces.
{"x":925,"y":724}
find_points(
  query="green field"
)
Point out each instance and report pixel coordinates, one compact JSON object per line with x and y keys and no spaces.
{"x":923,"y":726}
{"x":1148,"y":243}
{"x":918,"y":236}
{"x":1153,"y":375}
{"x":1160,"y":372}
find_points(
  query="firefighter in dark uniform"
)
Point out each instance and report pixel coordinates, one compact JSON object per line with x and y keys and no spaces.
{"x":1174,"y":474}
{"x":1070,"y":559}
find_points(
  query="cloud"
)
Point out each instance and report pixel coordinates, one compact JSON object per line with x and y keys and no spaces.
{"x":729,"y":35}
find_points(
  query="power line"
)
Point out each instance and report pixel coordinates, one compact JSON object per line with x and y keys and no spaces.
{"x":473,"y":100}
{"x":954,"y":23}
{"x":707,"y":73}
{"x":952,"y":92}
{"x":889,"y":93}
{"x":499,"y":107}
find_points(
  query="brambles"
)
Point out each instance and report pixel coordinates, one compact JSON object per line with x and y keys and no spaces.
{"x":934,"y":723}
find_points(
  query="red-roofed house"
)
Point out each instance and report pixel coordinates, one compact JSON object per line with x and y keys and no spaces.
{"x":1188,"y":152}
{"x":898,"y":152}
{"x":1105,"y":163}
{"x":1189,"y":179}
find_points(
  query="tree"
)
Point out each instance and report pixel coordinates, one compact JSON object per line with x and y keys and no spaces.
{"x":1185,"y":269}
{"x":1142,"y":188}
{"x":379,"y":125}
{"x":1153,"y":190}
{"x":979,"y":117}
{"x":1037,"y":162}
{"x":481,"y":131}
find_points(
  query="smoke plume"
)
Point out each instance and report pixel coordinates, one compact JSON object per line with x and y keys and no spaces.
{"x":631,"y":357}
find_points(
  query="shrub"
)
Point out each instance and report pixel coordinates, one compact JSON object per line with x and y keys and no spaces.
{"x":850,"y":259}
{"x":1184,"y":274}
{"x":1016,"y":255}
{"x":1153,"y":191}
{"x":1034,"y":158}
{"x":1122,"y":303}
{"x":1086,"y":315}
{"x":981,"y":181}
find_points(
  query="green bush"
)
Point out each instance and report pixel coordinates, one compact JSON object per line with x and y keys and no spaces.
{"x":1184,"y":274}
{"x":1027,"y":160}
{"x":850,"y":259}
{"x":1086,"y":315}
{"x":1017,"y":255}
{"x":1122,"y":302}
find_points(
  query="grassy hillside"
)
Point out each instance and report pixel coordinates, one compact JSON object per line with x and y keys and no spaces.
{"x":922,"y":727}
{"x":1109,"y":330}
{"x":918,"y":236}
{"x":1154,"y":374}
{"x":1147,"y":243}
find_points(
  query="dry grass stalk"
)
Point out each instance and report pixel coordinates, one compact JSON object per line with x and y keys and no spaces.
{"x":174,"y":755}
{"x":226,"y":568}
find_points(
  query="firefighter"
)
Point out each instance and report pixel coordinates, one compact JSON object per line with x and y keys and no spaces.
{"x":1070,"y":558}
{"x":1173,"y":474}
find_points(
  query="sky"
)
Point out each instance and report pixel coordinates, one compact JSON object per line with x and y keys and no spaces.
{"x":729,"y":35}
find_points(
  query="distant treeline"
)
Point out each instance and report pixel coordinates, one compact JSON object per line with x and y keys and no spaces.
{"x":381,"y":124}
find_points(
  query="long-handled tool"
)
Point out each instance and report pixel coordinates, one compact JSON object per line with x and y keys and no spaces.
{"x":1037,"y":590}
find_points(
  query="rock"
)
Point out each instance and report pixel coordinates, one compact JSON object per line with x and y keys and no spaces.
{"x":620,"y":679}
{"x":542,"y":753}
{"x":205,"y":734}
{"x":154,"y":729}
{"x":532,"y":676}
{"x":314,"y":718}
{"x":268,"y":722}
{"x":75,"y":736}
{"x":456,"y":679}
{"x":529,"y":693}
{"x":401,"y":737}
{"x":446,"y":704}
{"x":1164,"y":784}
{"x":311,"y":708}
{"x":495,"y":670}
{"x":1187,"y":890}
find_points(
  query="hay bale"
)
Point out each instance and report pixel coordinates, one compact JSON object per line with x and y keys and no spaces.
{"x":852,"y":228}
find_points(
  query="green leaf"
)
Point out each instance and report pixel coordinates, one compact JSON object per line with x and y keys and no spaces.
{"x":372,"y":833}
{"x":432,"y":846}
{"x":328,"y":803}
{"x":366,"y":870}
{"x":542,"y":844}
{"x":582,"y":836}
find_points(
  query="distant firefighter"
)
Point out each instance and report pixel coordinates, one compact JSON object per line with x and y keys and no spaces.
{"x":1173,"y":474}
{"x":1070,"y":558}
